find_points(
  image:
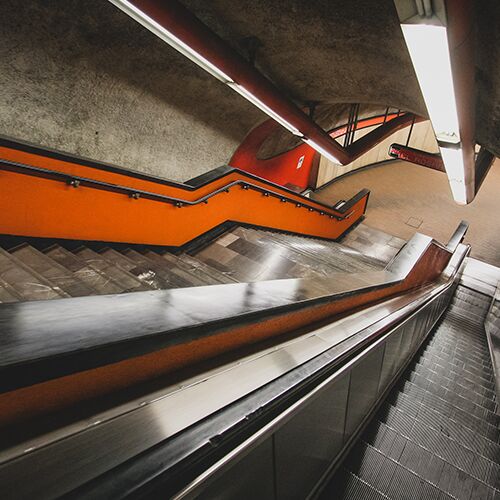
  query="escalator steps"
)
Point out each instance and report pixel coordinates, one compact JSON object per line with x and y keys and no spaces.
{"x":438,"y":433}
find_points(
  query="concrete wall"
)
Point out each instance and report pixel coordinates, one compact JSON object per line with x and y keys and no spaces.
{"x":406,"y":198}
{"x":83,"y":78}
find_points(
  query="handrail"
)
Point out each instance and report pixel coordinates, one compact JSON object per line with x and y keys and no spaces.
{"x":77,"y":181}
{"x":116,"y":324}
{"x":458,"y":236}
{"x":190,"y":185}
{"x":260,"y":408}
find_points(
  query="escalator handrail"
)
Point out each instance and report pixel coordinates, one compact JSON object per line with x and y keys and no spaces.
{"x":272,"y":407}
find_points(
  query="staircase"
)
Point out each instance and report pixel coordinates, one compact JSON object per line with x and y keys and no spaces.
{"x":47,"y":270}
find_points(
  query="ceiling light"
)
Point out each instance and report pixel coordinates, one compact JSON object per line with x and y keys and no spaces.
{"x":266,"y":109}
{"x":429,"y":51}
{"x":454,"y":164}
{"x":197,"y":58}
{"x":322,"y":151}
{"x":171,"y":39}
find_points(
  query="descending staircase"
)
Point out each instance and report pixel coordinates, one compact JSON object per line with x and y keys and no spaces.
{"x":437,"y":435}
{"x":48,"y":270}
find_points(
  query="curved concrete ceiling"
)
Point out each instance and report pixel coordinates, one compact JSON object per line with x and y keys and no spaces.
{"x":90,"y":80}
{"x":333,"y":51}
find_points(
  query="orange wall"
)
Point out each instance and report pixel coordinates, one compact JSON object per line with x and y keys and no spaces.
{"x":282,"y":169}
{"x":35,"y":206}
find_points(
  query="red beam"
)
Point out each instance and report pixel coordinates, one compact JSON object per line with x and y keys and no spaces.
{"x":179,"y":21}
{"x":376,"y":136}
{"x":417,"y":156}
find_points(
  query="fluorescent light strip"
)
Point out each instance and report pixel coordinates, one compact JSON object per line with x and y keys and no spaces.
{"x":266,"y":109}
{"x":322,"y":151}
{"x":197,"y":58}
{"x":430,"y":54}
{"x":454,"y":164}
{"x":171,"y":39}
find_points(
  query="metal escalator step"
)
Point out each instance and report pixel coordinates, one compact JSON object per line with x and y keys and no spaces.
{"x":27,"y":283}
{"x":481,"y":372}
{"x":437,"y":383}
{"x":129,"y":282}
{"x":470,"y":438}
{"x":438,"y":443}
{"x":470,"y":422}
{"x":456,"y":348}
{"x":439,"y":422}
{"x":52,"y":271}
{"x":445,"y":476}
{"x":439,"y":365}
{"x":459,"y":403}
{"x":156,"y":276}
{"x":390,"y":477}
{"x":86,"y":273}
{"x":472,"y":351}
{"x":347,"y":486}
{"x":454,"y":378}
{"x":411,"y":451}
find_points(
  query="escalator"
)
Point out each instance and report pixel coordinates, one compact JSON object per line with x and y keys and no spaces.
{"x":233,"y":390}
{"x":438,"y":433}
{"x":191,"y":345}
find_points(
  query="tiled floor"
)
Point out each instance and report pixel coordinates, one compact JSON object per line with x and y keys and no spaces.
{"x":402,"y":192}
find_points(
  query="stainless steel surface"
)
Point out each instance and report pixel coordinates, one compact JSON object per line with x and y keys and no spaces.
{"x":363,"y":389}
{"x":251,"y":478}
{"x":485,"y":279}
{"x":458,"y":236}
{"x":108,"y":440}
{"x":134,"y":316}
{"x":481,"y":276}
{"x":304,"y":445}
{"x":427,"y":316}
{"x":74,"y":455}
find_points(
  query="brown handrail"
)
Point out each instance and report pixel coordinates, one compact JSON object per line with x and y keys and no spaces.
{"x":77,"y":181}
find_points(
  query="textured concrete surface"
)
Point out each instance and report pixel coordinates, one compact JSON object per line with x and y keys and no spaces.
{"x":407,"y":198}
{"x":337,"y":51}
{"x":488,"y":74}
{"x":83,"y":77}
{"x":325,"y":50}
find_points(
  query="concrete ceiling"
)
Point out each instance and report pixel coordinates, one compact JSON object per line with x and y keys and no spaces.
{"x":337,"y":51}
{"x":85,"y":78}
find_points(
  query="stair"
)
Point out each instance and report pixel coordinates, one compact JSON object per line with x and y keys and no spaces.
{"x":438,"y":433}
{"x":42,"y":271}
